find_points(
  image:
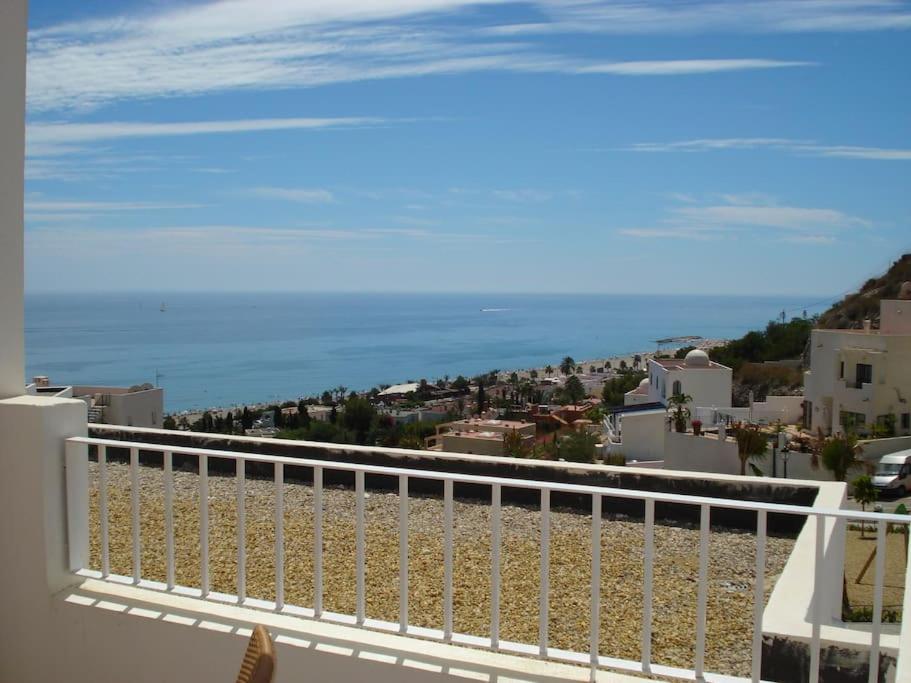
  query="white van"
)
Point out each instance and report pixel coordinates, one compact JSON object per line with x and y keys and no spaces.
{"x":893,"y":474}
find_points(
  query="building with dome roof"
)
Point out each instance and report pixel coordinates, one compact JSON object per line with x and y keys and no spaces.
{"x":708,"y":383}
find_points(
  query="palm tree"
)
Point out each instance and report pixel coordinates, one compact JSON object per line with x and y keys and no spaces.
{"x":567,"y":365}
{"x":533,"y":374}
{"x":839,"y":454}
{"x":680,"y":413}
{"x":548,"y":371}
{"x":751,"y":443}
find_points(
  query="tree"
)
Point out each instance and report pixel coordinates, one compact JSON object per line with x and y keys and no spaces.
{"x":573,"y":391}
{"x":623,"y":365}
{"x":591,"y":370}
{"x":578,"y":447}
{"x":751,"y":443}
{"x":358,"y":417}
{"x":333,"y":415}
{"x":303,"y":415}
{"x":169,"y":423}
{"x":614,"y":389}
{"x":326,"y":398}
{"x":460,"y":384}
{"x":482,"y":399}
{"x":549,"y":370}
{"x":864,"y":493}
{"x":515,"y":446}
{"x":839,"y":454}
{"x":680,"y":413}
{"x":533,"y":374}
{"x":567,"y":365}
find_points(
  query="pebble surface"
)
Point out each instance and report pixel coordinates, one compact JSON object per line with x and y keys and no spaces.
{"x":731,"y":564}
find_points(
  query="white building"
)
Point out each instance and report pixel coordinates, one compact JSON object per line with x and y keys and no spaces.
{"x":860,"y":378}
{"x":136,"y":406}
{"x":707,"y":382}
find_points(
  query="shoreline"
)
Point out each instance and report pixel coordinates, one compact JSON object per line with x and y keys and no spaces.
{"x":502,"y":376}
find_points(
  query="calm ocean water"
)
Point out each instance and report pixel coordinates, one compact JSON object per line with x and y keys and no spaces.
{"x":223,"y":349}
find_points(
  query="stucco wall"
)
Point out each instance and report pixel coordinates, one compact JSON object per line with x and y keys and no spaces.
{"x":701,"y":454}
{"x":643,"y":435}
{"x":137,"y":409}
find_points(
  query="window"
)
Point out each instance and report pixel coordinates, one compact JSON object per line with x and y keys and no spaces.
{"x":863,"y":374}
{"x":852,"y":421}
{"x":677,"y":389}
{"x":906,"y":421}
{"x":841,"y":370}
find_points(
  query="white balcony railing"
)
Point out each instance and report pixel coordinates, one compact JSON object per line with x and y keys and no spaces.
{"x":78,"y":522}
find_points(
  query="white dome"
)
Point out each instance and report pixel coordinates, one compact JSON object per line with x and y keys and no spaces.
{"x":697,"y":359}
{"x":644,"y":382}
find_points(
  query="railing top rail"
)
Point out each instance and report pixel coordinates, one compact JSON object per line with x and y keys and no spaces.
{"x":582,"y":489}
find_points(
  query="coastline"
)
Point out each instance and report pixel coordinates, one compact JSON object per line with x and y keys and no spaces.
{"x":502,"y":376}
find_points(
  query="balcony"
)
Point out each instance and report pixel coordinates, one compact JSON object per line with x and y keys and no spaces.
{"x":134,"y":593}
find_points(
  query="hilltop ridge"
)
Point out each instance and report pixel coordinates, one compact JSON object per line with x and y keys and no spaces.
{"x":854,"y":308}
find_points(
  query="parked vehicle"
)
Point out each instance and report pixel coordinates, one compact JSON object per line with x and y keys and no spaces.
{"x":893,"y":474}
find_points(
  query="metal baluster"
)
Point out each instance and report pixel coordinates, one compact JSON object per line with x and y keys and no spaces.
{"x":403,"y":553}
{"x":103,"y":511}
{"x":878,"y":600}
{"x":204,"y":524}
{"x":359,"y":545}
{"x":169,"y":518}
{"x":447,"y":560}
{"x":241,"y":531}
{"x":134,"y":501}
{"x":759,"y":594}
{"x":544,"y":593}
{"x":648,"y":577}
{"x":495,"y":567}
{"x":318,"y":541}
{"x":703,"y":588}
{"x":595,"y":617}
{"x":279,"y":536}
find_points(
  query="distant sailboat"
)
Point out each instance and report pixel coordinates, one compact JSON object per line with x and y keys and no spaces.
{"x":163,"y":307}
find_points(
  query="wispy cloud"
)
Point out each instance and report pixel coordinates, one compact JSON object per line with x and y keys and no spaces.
{"x":802,"y":147}
{"x":669,"y":233}
{"x":751,"y":213}
{"x":809,"y":239}
{"x":46,"y":139}
{"x":780,"y":217}
{"x":294,"y":194}
{"x":251,"y":45}
{"x":100,"y":206}
{"x":683,"y":67}
{"x":231,"y":238}
{"x":703,"y":16}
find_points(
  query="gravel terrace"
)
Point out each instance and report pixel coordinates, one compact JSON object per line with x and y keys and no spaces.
{"x":731,"y":567}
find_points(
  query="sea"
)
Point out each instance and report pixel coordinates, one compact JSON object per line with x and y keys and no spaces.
{"x":225,"y":349}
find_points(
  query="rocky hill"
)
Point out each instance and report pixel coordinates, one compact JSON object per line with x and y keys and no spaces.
{"x":851,"y":311}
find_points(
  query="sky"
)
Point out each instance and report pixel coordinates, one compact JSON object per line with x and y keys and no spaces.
{"x":618,"y":146}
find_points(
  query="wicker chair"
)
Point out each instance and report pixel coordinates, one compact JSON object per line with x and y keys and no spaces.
{"x":259,"y":659}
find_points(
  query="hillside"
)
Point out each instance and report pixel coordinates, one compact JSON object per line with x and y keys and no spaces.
{"x":851,"y":311}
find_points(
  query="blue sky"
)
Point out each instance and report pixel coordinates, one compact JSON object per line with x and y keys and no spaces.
{"x":441,"y":145}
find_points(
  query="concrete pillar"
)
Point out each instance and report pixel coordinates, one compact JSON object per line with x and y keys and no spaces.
{"x":13,"y":29}
{"x":33,"y":524}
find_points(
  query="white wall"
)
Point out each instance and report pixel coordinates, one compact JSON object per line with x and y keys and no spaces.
{"x":12,"y":188}
{"x":700,"y":454}
{"x":642,"y":435}
{"x":787,"y":409}
{"x":136,"y":409}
